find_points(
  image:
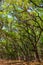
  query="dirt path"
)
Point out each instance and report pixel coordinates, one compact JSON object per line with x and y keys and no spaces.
{"x":12,"y":62}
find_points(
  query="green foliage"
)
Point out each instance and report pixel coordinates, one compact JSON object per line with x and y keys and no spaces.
{"x":21,"y":27}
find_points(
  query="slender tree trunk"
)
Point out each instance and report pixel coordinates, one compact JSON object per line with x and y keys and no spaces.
{"x":36,"y":53}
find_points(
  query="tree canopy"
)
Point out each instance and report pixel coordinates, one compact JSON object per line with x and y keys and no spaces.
{"x":21,"y":28}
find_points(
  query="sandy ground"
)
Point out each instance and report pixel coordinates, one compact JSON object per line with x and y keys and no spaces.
{"x":18,"y":62}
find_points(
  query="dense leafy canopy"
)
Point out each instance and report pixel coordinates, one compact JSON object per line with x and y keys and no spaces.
{"x":21,"y":27}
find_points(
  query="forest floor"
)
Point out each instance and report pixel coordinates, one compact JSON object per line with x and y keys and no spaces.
{"x":16,"y":62}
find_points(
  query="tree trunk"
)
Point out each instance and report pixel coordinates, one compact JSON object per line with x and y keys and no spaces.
{"x":36,"y":53}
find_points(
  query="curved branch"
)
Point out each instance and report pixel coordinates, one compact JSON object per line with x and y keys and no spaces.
{"x":41,"y":6}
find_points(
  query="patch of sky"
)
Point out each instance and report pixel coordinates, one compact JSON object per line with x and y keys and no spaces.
{"x":29,"y":9}
{"x":9,"y":16}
